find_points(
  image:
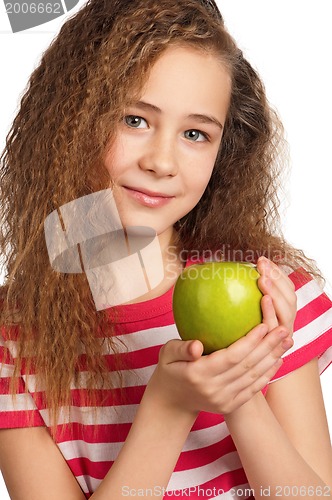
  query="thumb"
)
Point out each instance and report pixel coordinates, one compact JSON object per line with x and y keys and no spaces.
{"x":181,"y":350}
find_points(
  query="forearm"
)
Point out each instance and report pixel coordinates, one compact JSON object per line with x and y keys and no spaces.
{"x":269,"y":459}
{"x":149,"y":455}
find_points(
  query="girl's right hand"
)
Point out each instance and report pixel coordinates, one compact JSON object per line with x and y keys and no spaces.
{"x":222,"y":381}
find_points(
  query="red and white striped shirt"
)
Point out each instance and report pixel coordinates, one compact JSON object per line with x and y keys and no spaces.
{"x":209,"y":466}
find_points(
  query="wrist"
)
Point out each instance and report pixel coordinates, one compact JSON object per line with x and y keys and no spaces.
{"x":158,"y":425}
{"x":169,"y":397}
{"x":163,"y":404}
{"x":251,"y":409}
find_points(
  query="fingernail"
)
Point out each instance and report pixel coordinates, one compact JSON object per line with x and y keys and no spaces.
{"x":287,"y":344}
{"x":265,"y":261}
{"x":283,"y":334}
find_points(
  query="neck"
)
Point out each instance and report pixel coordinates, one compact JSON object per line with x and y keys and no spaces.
{"x":172,"y":267}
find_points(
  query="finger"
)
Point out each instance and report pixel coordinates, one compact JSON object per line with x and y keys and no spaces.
{"x":179,"y":350}
{"x":234,"y":354}
{"x":275,"y":283}
{"x":263,"y":368}
{"x":258,"y":375}
{"x":279,"y":290}
{"x":269,"y":345}
{"x":269,"y":315}
{"x":270,"y":348}
{"x":272,"y":274}
{"x":269,"y":361}
{"x":284,"y":306}
{"x":257,"y":385}
{"x":195,"y":348}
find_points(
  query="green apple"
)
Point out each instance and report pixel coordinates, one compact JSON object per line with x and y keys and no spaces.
{"x":217,"y":303}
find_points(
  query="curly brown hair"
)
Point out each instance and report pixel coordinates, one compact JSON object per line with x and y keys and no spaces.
{"x":54,"y":154}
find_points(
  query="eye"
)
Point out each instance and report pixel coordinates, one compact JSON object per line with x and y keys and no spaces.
{"x":134,"y":121}
{"x":196,"y":136}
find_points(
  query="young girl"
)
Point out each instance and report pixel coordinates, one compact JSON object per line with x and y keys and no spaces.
{"x":153,"y":103}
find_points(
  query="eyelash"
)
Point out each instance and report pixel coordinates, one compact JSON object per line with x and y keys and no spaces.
{"x":133,"y":116}
{"x":206,"y":137}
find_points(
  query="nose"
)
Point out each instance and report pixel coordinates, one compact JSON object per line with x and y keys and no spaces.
{"x":160,"y":155}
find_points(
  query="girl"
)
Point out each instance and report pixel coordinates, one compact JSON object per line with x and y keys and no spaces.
{"x":154,"y":103}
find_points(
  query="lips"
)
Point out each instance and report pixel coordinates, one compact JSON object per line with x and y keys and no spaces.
{"x":148,"y":198}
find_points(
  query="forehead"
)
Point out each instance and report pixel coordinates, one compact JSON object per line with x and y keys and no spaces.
{"x":189,"y":79}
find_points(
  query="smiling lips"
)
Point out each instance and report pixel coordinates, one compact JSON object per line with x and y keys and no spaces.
{"x":148,"y":198}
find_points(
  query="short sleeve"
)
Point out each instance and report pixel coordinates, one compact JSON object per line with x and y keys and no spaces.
{"x":19,"y":410}
{"x":312,"y":327}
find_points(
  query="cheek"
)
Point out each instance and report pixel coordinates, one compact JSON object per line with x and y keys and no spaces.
{"x":116,"y":158}
{"x":201,"y":179}
{"x":113,"y":163}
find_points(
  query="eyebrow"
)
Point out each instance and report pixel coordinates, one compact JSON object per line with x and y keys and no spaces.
{"x":208,"y":119}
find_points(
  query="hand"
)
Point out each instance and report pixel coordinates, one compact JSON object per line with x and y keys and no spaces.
{"x":279,"y":301}
{"x":222,"y":381}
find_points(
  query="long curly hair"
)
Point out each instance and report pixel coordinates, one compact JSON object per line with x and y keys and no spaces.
{"x":54,"y":154}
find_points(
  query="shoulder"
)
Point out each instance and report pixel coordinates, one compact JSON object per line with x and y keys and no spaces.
{"x":10,"y":317}
{"x":312,"y":326}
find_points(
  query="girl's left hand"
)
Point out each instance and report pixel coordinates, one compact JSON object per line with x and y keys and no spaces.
{"x":279,"y":301}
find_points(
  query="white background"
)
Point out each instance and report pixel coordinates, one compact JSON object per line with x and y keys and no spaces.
{"x":289,"y":42}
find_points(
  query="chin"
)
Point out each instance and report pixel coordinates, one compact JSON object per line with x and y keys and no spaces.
{"x":159,"y":229}
{"x":136,"y":222}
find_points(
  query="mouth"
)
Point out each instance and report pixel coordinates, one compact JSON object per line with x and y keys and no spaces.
{"x":148,"y":198}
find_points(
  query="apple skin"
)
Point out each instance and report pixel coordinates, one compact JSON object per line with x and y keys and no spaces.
{"x":217,"y":303}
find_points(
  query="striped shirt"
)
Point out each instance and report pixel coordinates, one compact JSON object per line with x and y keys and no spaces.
{"x":208,"y":466}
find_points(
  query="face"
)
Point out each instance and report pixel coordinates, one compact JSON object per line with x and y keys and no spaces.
{"x":168,"y":140}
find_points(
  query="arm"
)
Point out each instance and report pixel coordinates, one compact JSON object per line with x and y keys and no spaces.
{"x":285,"y":441}
{"x":149,"y":455}
{"x":293,"y":447}
{"x":183,"y":383}
{"x":34,"y":469}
